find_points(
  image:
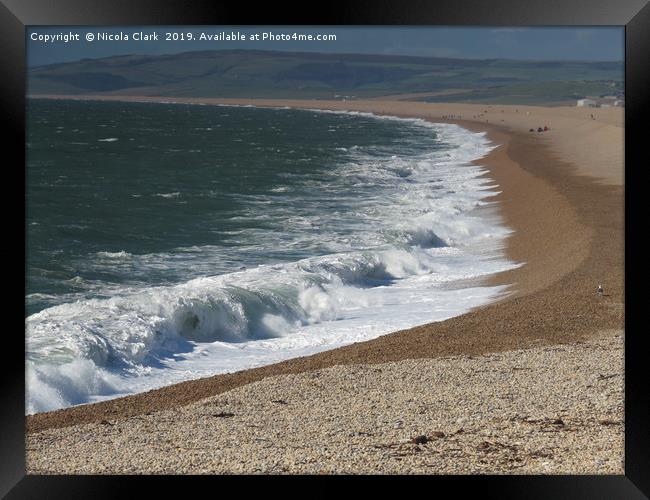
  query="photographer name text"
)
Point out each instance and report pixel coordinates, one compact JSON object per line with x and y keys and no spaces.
{"x":179,"y":36}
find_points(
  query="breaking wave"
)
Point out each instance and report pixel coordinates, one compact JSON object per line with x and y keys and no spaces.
{"x":428,"y":235}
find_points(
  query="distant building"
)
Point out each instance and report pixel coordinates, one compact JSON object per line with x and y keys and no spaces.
{"x":587,"y":103}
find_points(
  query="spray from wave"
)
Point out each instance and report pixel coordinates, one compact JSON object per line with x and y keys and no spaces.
{"x":426,"y":235}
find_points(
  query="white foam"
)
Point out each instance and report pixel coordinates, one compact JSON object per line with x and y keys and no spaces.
{"x":428,"y":226}
{"x":115,"y":255}
{"x":167,"y":195}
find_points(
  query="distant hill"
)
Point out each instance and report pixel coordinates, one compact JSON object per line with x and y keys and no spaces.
{"x":247,"y":73}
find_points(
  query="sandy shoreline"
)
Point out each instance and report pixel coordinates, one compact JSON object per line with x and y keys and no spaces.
{"x":492,"y":413}
{"x":568,"y":228}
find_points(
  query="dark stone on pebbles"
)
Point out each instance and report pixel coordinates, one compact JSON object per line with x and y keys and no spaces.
{"x":223,"y":414}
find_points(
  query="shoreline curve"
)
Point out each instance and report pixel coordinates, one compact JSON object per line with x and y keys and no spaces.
{"x":568,"y":230}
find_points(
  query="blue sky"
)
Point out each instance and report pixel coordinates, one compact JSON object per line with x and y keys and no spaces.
{"x":535,"y":43}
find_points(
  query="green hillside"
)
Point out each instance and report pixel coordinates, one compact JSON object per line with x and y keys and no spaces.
{"x":240,"y":73}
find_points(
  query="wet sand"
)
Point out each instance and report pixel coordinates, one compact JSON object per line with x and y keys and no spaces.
{"x":568,"y":230}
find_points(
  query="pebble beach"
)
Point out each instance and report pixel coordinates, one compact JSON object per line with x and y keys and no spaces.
{"x":532,"y":384}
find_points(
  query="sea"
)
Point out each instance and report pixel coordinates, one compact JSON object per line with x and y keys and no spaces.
{"x":168,"y":242}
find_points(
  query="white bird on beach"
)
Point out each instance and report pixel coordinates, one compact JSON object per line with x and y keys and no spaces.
{"x":600,"y":289}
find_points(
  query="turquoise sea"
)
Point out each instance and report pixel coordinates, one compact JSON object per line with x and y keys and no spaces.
{"x":169,"y":241}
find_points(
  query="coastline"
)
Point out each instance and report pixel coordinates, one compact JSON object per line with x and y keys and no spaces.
{"x":553,"y":410}
{"x":568,"y":229}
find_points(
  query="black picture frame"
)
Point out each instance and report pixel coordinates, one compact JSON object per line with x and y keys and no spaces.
{"x":15,"y":15}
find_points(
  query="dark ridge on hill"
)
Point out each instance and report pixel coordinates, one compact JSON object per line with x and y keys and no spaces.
{"x":256,"y":73}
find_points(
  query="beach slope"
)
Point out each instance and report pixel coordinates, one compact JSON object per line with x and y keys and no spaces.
{"x":562,"y":194}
